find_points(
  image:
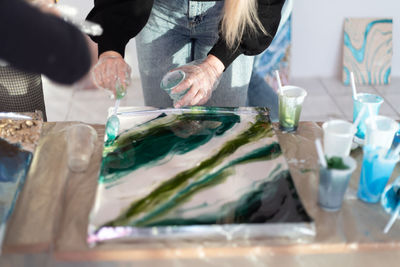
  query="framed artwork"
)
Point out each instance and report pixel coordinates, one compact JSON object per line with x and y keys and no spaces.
{"x":367,"y":50}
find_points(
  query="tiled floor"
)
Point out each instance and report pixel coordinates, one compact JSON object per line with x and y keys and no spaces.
{"x":327,"y":98}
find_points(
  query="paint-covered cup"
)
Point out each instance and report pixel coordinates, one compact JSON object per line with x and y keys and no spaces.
{"x":291,"y":100}
{"x":333,"y":184}
{"x":375,"y":173}
{"x":372,"y":104}
{"x":380,"y":131}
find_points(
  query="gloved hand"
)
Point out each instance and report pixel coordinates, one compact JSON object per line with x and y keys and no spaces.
{"x":112,"y":73}
{"x":46,"y":6}
{"x":202,"y":77}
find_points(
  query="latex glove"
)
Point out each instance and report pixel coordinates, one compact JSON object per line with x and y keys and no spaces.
{"x":46,"y":6}
{"x":202,"y":77}
{"x":112,"y":73}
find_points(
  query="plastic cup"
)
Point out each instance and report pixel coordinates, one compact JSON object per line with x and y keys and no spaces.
{"x":290,"y":103}
{"x":338,"y":138}
{"x":375,"y":173}
{"x":380,"y":131}
{"x":80,"y":145}
{"x":170,"y":81}
{"x":372,"y":104}
{"x":333,"y":184}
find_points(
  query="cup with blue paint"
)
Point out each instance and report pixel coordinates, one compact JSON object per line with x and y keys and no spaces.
{"x":371,"y":103}
{"x":377,"y":167}
{"x":380,"y":131}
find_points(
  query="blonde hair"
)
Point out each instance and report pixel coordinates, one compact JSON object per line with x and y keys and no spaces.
{"x":238,"y":16}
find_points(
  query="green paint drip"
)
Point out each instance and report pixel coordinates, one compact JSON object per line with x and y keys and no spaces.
{"x":259,"y":129}
{"x":234,"y":212}
{"x":265,"y":153}
{"x":152,"y":142}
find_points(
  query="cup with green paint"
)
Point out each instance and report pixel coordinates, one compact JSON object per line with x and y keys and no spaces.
{"x":291,"y":100}
{"x":333,"y":181}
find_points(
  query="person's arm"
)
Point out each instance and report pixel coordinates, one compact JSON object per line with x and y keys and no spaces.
{"x":269,"y":13}
{"x":120,"y":20}
{"x":42,"y":43}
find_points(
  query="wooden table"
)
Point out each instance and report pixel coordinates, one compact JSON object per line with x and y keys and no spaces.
{"x":51,"y":217}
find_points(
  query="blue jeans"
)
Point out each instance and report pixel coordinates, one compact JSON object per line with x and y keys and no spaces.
{"x":260,"y":94}
{"x":180,"y":31}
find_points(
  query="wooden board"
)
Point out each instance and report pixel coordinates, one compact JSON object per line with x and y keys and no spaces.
{"x":50,"y":216}
{"x":34,"y":223}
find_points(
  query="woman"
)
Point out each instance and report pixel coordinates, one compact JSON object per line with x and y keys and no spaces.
{"x":218,"y":33}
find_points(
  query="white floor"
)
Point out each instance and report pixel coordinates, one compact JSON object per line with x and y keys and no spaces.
{"x":327,"y":98}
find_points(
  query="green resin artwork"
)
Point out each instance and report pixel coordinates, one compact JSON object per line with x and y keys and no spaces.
{"x":195,"y":170}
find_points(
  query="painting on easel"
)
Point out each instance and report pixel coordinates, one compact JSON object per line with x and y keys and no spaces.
{"x":193,"y":172}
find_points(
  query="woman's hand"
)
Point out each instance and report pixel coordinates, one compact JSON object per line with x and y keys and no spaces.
{"x":111,"y":72}
{"x":202,"y":78}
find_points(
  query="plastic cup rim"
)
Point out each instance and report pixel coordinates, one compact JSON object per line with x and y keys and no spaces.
{"x":381,"y":100}
{"x":394,"y":124}
{"x":392,"y":159}
{"x":291,"y":87}
{"x":350,"y":161}
{"x":169,"y":74}
{"x":353,"y":129}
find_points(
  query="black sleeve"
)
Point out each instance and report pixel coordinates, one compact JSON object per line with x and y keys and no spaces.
{"x":269,"y":13}
{"x":42,"y":43}
{"x":120,"y":20}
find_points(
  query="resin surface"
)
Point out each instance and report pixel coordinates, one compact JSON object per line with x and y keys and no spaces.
{"x":199,"y":167}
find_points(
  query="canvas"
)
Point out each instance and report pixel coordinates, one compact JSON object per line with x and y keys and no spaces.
{"x":19,"y":135}
{"x":193,"y":172}
{"x":367,"y":50}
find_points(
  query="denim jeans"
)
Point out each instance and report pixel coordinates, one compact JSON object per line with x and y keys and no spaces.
{"x":180,"y":31}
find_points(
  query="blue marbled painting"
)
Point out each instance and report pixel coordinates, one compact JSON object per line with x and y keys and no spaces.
{"x":367,"y":50}
{"x":276,"y":57}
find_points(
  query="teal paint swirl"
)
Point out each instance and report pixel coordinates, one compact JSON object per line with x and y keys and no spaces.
{"x":274,"y":200}
{"x":359,"y":54}
{"x":387,"y":75}
{"x":165,"y":136}
{"x":347,"y":75}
